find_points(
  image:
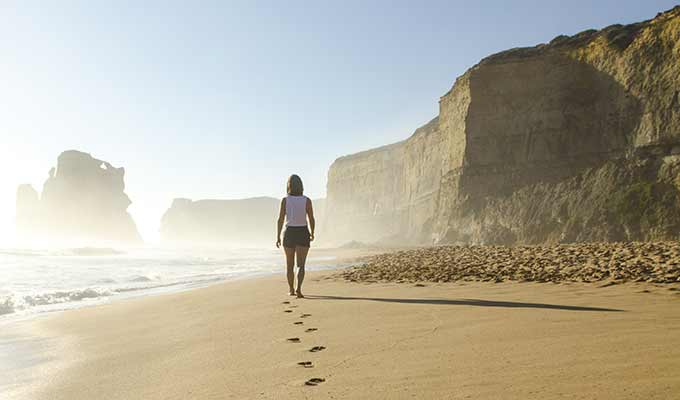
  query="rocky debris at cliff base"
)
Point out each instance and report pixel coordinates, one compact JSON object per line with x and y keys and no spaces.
{"x":654,"y":262}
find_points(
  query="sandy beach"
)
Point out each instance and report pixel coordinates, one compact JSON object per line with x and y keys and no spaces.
{"x":245,"y":339}
{"x":484,"y":197}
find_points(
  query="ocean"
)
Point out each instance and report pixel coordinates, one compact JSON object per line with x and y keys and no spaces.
{"x":34,"y":282}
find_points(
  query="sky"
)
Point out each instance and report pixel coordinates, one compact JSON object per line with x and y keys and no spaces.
{"x":223,"y":100}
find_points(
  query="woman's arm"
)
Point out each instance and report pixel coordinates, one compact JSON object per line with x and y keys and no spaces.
{"x":310,"y":215}
{"x":279,"y":223}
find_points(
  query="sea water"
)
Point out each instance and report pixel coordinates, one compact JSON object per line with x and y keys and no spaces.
{"x":34,"y":282}
{"x":37,"y":282}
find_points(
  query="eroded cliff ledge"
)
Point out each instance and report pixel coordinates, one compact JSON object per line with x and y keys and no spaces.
{"x":575,"y":140}
{"x":83,"y":201}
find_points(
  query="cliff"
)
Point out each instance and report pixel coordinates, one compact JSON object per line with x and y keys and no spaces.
{"x":243,"y":222}
{"x":83,"y":201}
{"x":575,"y":140}
{"x":387,"y":193}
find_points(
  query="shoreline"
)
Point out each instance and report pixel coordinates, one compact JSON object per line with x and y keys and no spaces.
{"x":29,"y":350}
{"x":321,"y":260}
{"x":381,"y":340}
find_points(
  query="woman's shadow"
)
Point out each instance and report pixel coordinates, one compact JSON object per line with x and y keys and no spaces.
{"x":469,"y":302}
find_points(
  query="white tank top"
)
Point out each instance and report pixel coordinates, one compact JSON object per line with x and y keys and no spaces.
{"x":296,"y":211}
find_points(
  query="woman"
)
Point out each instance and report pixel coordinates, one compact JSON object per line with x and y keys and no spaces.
{"x":295,"y":209}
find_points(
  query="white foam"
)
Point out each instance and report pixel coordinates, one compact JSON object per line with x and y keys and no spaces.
{"x":6,"y":306}
{"x":33,"y":282}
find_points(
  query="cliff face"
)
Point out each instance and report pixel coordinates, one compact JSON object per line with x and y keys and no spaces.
{"x":569,"y":141}
{"x":83,"y":201}
{"x":389,"y":192}
{"x":243,"y":222}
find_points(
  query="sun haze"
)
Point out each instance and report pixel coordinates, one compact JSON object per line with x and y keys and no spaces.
{"x":225,"y":99}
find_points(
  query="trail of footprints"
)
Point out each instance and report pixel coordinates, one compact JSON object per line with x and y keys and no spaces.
{"x":315,"y":349}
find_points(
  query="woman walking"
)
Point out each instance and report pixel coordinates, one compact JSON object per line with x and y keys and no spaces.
{"x":296,"y":209}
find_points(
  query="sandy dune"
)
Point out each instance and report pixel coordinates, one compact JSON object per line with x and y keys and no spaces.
{"x":241,"y":340}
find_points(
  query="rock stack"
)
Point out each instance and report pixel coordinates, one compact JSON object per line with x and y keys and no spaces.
{"x":83,"y":201}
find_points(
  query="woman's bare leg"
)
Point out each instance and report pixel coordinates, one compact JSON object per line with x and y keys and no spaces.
{"x":301,"y":254}
{"x":290,"y":264}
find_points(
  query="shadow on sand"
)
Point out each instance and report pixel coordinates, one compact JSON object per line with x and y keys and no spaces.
{"x":469,"y":302}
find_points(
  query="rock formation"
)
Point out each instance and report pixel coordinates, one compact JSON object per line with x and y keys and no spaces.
{"x":575,"y":140}
{"x":386,"y":193}
{"x":83,"y":201}
{"x":244,"y":222}
{"x":238,"y":223}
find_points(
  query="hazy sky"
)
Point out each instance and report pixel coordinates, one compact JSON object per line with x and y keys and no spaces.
{"x":223,"y":99}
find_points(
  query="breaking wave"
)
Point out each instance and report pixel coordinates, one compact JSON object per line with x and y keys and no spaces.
{"x":6,"y":306}
{"x":35,"y":282}
{"x":17,"y":303}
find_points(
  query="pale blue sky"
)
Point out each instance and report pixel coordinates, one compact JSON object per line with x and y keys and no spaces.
{"x":223,"y":99}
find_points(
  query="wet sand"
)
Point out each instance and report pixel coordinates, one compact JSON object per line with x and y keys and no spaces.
{"x":246,"y":339}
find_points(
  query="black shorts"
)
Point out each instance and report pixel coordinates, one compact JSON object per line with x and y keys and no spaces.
{"x":296,"y":236}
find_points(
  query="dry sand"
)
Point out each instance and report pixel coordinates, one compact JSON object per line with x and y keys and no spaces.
{"x":615,"y":263}
{"x":382,"y":341}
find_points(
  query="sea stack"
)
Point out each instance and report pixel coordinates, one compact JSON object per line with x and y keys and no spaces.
{"x":83,"y":202}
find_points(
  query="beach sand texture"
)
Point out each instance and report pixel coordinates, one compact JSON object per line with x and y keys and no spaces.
{"x":248,"y":339}
{"x":613,"y":263}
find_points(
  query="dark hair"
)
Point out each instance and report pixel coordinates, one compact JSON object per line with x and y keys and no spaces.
{"x":294,"y":187}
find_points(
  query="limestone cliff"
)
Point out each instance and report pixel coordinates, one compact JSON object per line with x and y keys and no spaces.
{"x":243,"y":222}
{"x":83,"y":201}
{"x":568,"y":141}
{"x":386,"y":193}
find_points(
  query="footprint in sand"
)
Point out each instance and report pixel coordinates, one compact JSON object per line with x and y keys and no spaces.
{"x":285,"y":302}
{"x":311,"y":329}
{"x":298,"y":323}
{"x":287,"y":310}
{"x":292,"y":306}
{"x":315,"y":381}
{"x":305,"y":315}
{"x":294,"y":340}
{"x":316,"y":349}
{"x":306,"y":364}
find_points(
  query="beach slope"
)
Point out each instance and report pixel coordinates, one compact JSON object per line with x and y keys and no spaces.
{"x":373,"y":341}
